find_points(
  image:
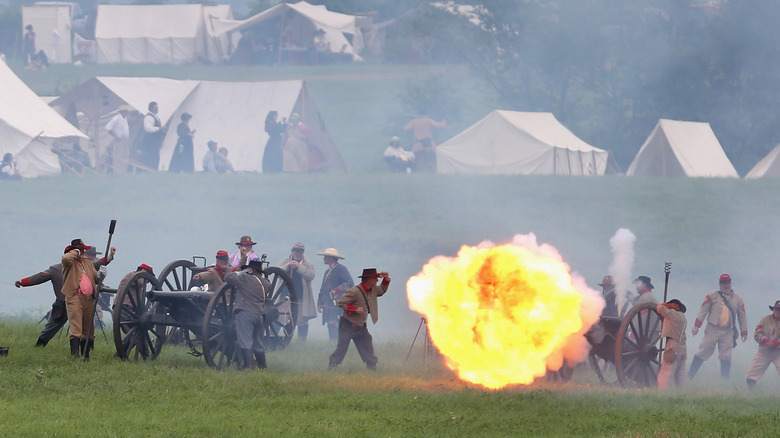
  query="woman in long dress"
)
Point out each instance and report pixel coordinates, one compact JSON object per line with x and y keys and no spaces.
{"x":295,"y":147}
{"x":272,"y":156}
{"x":183,"y":159}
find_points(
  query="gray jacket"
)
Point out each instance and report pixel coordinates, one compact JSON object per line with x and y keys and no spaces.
{"x":250,"y":291}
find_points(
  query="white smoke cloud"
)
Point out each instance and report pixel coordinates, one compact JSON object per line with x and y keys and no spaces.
{"x":622,"y":246}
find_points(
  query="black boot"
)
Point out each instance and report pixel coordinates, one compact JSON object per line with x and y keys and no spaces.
{"x":695,"y":365}
{"x":74,"y":347}
{"x":260,"y":357}
{"x":91,"y":344}
{"x":249,"y":361}
{"x":303,"y":331}
{"x":40,"y":343}
{"x":751,"y":384}
{"x":725,"y":369}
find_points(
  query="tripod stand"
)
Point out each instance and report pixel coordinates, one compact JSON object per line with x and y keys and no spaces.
{"x":427,"y":343}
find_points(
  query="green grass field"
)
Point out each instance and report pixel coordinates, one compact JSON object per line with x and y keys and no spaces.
{"x":45,"y":393}
{"x":394,"y":222}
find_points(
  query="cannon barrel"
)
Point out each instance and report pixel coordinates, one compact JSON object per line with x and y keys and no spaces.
{"x":161,"y":295}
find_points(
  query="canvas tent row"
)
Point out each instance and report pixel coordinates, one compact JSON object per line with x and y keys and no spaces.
{"x":299,"y":22}
{"x":29,"y":127}
{"x":230,"y":113}
{"x":160,"y":34}
{"x":519,"y":143}
{"x":680,"y":148}
{"x":769,"y":166}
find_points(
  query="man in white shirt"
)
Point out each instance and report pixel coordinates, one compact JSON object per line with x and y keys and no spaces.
{"x":118,"y":152}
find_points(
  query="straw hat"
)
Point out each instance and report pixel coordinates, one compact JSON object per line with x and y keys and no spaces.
{"x":331,"y":252}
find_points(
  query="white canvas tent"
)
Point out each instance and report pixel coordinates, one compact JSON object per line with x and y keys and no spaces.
{"x":769,"y":166}
{"x":678,"y":148}
{"x":52,"y":24}
{"x":29,"y":127}
{"x":230,"y":113}
{"x":523,"y":143}
{"x":159,"y":34}
{"x":300,"y":21}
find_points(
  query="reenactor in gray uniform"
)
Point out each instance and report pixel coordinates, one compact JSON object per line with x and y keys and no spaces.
{"x":676,"y":351}
{"x":721,"y":308}
{"x":250,"y":289}
{"x":767,"y":335}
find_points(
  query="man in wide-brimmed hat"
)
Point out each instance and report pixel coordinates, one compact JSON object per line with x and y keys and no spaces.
{"x":80,"y":282}
{"x":358,"y":302}
{"x":721,"y":308}
{"x":301,"y":271}
{"x":335,"y":282}
{"x":644,"y":287}
{"x":245,"y":252}
{"x":675,"y":352}
{"x":250,"y":288}
{"x":57,"y":316}
{"x":767,"y":335}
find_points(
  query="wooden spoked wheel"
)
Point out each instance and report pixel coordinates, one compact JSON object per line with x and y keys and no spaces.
{"x":637,"y":349}
{"x":136,"y":336}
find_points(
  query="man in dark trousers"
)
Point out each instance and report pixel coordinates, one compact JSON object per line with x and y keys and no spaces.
{"x":250,"y":288}
{"x":357,"y":303}
{"x":335,"y":282}
{"x":57,"y":317}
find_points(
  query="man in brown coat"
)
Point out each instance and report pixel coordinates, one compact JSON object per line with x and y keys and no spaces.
{"x":80,"y":280}
{"x":357,"y":302}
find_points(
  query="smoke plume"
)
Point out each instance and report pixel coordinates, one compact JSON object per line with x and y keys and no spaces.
{"x":622,"y":246}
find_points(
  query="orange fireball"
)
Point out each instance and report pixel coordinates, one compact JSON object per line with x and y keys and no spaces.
{"x":505,"y":314}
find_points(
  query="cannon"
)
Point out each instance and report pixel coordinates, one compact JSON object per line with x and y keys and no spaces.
{"x":149,"y":311}
{"x":625,"y":351}
{"x":631,"y":346}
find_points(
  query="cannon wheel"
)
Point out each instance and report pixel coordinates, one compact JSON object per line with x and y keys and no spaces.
{"x":134,"y":335}
{"x":177,"y":276}
{"x":282,"y":304}
{"x":219,"y":332}
{"x":220,"y":348}
{"x":637,"y":358}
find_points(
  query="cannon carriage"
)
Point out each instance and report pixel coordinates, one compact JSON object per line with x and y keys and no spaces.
{"x":625,"y":351}
{"x":150,"y":311}
{"x":630,"y":347}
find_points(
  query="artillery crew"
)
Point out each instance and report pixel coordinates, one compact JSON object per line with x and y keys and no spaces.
{"x":80,"y":280}
{"x":676,"y":351}
{"x":301,"y":272}
{"x":357,"y":303}
{"x":644,"y":287}
{"x":335,"y":282}
{"x":767,"y":335}
{"x":57,"y":316}
{"x":250,"y":291}
{"x":245,"y":253}
{"x":214,"y":277}
{"x":721,"y":308}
